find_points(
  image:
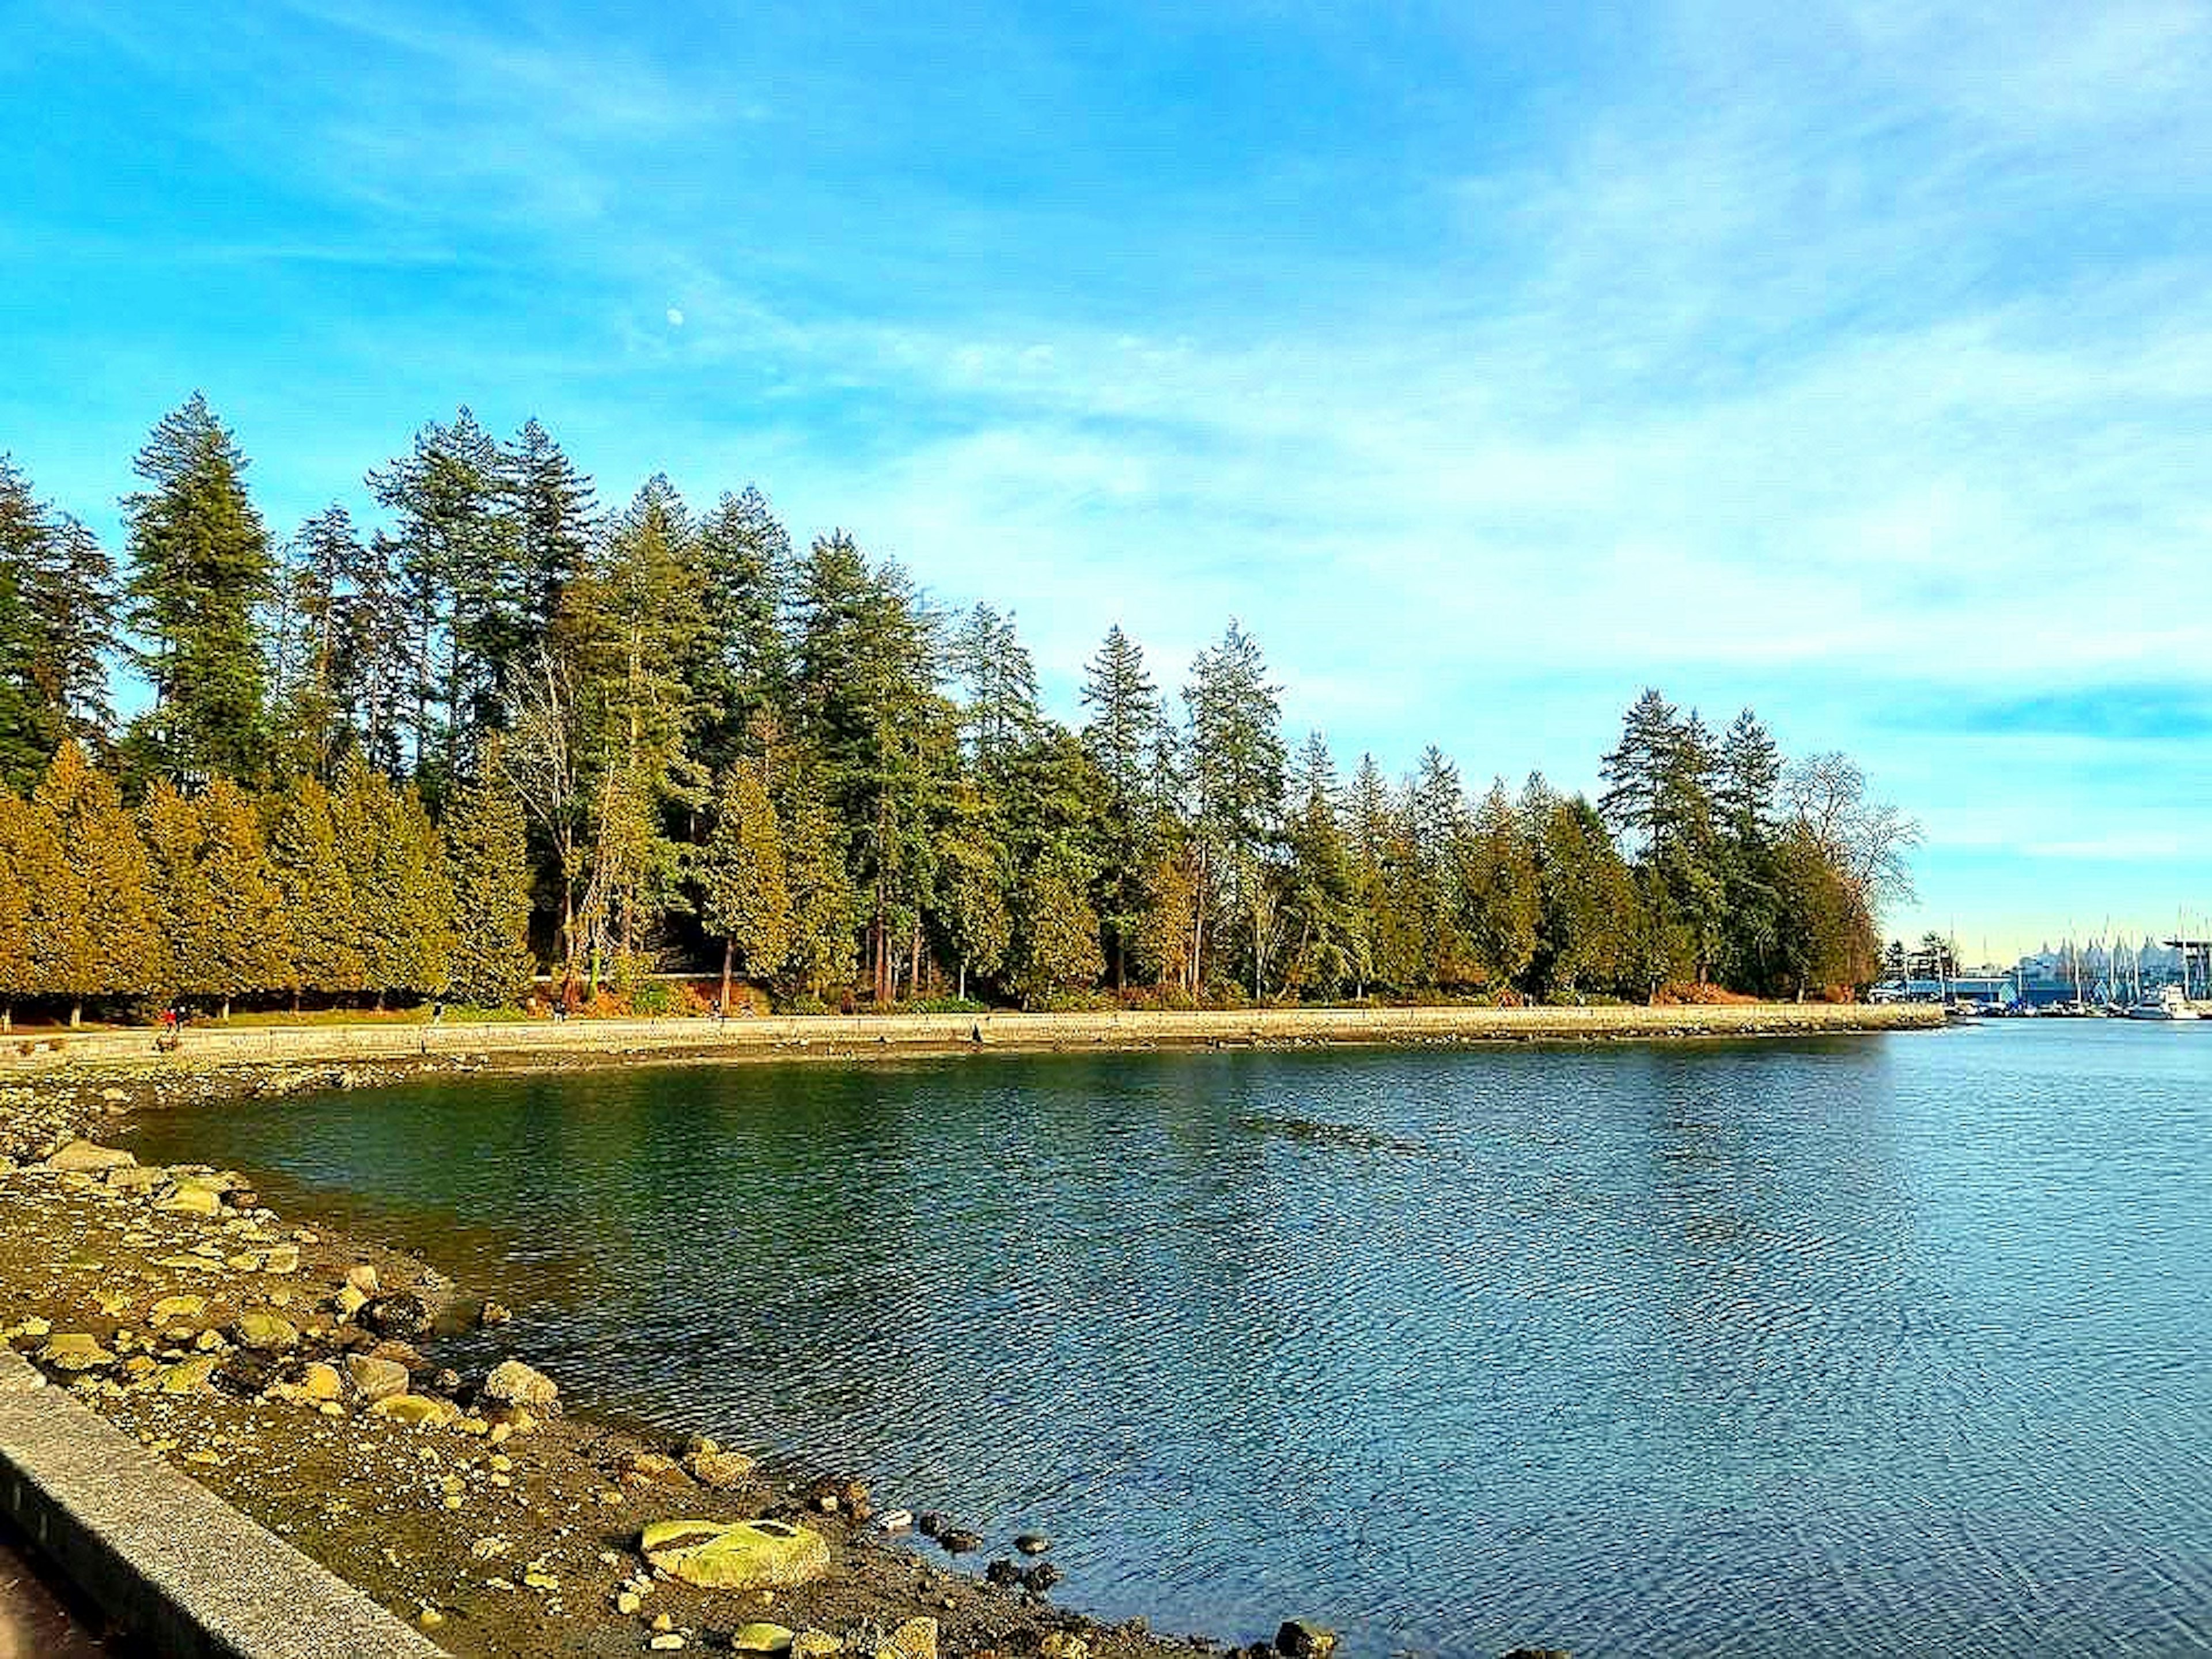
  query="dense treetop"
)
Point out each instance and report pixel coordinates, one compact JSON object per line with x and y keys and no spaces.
{"x":506,"y":730}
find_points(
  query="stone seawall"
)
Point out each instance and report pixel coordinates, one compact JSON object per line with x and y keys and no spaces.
{"x":814,"y":1033}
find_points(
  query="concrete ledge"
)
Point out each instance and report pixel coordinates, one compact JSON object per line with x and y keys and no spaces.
{"x":173,"y":1566}
{"x":301,"y":1044}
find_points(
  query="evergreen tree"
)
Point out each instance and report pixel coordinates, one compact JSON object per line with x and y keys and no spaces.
{"x":487,"y":870}
{"x":38,"y":901}
{"x":1056,"y":936}
{"x":1504,"y":902}
{"x":742,"y":679}
{"x":631,"y":623}
{"x":200,"y":565}
{"x":1122,"y":736}
{"x":999,"y":714}
{"x":555,"y":512}
{"x":1436,"y":811}
{"x":1588,"y":922}
{"x":1639,"y":771}
{"x":221,"y":922}
{"x":396,"y":871}
{"x":324,"y":924}
{"x":972,"y":916}
{"x":72,"y":602}
{"x":1750,"y":775}
{"x":105,"y":939}
{"x":1328,"y":940}
{"x":312,"y":728}
{"x":1827,"y":940}
{"x":865,"y":697}
{"x":822,"y":904}
{"x":744,"y":899}
{"x":461,"y":586}
{"x":27,"y":735}
{"x":1236,"y":758}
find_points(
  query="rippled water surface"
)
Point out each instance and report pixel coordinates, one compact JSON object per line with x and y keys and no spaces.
{"x":1897,"y":1345}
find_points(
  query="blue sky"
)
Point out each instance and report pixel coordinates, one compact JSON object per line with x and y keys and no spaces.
{"x":1851,"y":361}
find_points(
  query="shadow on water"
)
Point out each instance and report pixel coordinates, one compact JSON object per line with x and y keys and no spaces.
{"x":1813,"y":1347}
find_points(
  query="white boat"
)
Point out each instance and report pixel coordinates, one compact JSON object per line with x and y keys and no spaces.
{"x":2167,"y":1003}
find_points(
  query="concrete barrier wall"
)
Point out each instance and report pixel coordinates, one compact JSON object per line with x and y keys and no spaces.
{"x":252,"y":1044}
{"x":179,"y":1571}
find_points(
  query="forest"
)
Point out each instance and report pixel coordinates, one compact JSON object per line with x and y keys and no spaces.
{"x":493,"y":742}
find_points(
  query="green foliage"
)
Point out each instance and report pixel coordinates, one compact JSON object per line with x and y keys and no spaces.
{"x":200,"y":566}
{"x":822,"y":905}
{"x":671,"y":736}
{"x":1058,"y":949}
{"x":488,"y":869}
{"x":744,"y":898}
{"x":323,"y":913}
{"x":395,"y":869}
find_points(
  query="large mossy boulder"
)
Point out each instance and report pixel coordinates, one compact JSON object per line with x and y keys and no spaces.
{"x":265,"y":1333}
{"x":740,"y":1555}
{"x":83,"y":1157}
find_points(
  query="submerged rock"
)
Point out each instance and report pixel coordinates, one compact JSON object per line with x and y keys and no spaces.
{"x":1032,"y":1543}
{"x":400,"y":1314}
{"x":720,"y":1470}
{"x":959,"y":1540}
{"x":187,"y":1376}
{"x":744,"y":1555}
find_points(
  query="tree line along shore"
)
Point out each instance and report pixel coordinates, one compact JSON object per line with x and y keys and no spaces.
{"x":493,"y":728}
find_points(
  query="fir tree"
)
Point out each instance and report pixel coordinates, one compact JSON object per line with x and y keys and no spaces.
{"x":397,"y":875}
{"x":38,"y":900}
{"x":488,"y":871}
{"x":105,"y":944}
{"x":27,"y":728}
{"x":743,"y":899}
{"x":1056,"y":934}
{"x":461,"y":586}
{"x":1122,"y":736}
{"x":1328,"y":949}
{"x":742,"y":679}
{"x":554,"y":508}
{"x":823,"y":903}
{"x":200,"y":565}
{"x":323,"y":918}
{"x":1235,"y":760}
{"x":1504,"y":903}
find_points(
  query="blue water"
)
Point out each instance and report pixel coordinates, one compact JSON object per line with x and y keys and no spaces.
{"x":1889,"y":1345}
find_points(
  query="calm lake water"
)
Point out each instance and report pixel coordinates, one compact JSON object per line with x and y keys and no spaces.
{"x":1895,"y":1345}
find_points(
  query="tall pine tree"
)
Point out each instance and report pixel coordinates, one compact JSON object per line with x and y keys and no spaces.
{"x":200,"y":566}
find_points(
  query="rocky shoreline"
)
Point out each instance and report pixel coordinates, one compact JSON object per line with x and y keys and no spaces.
{"x":294,"y":1371}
